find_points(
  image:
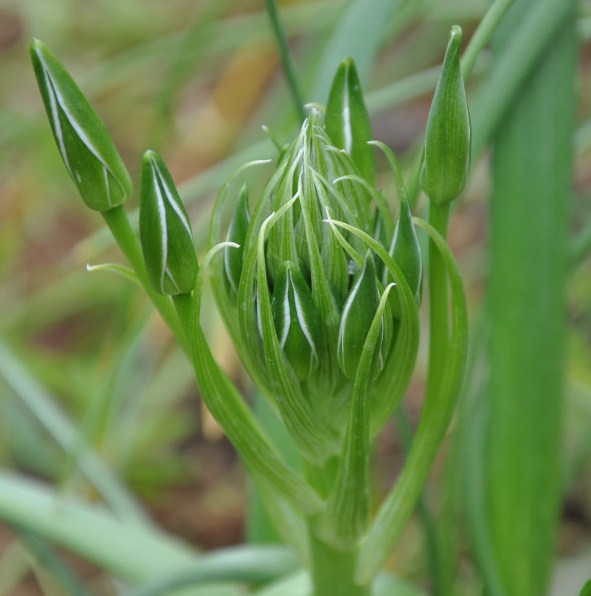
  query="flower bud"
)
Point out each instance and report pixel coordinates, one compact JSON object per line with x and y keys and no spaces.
{"x":347,"y":120}
{"x":357,"y":316}
{"x":405,"y":250}
{"x":447,"y":140}
{"x":237,"y":234}
{"x":165,"y":231}
{"x":296,"y":321}
{"x":85,"y":145}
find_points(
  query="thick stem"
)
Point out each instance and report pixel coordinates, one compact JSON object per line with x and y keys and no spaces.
{"x":123,"y":233}
{"x":332,"y":570}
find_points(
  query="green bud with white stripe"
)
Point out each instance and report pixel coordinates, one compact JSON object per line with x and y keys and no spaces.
{"x":237,"y":234}
{"x":406,"y":251}
{"x":296,"y":321}
{"x":356,"y":318}
{"x":165,"y":231}
{"x":83,"y":141}
{"x":347,"y":119}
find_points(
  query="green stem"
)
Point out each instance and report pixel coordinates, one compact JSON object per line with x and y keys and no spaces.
{"x":286,"y":60}
{"x":483,"y":34}
{"x":438,"y":298}
{"x":123,"y":233}
{"x":434,"y":556}
{"x":333,"y":570}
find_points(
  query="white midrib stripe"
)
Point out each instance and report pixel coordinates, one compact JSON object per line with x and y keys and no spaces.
{"x":163,"y":230}
{"x":57,"y":99}
{"x":347,"y":118}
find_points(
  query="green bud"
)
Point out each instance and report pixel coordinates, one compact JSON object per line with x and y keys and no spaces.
{"x":405,"y":250}
{"x":237,"y":234}
{"x":165,"y":230}
{"x":358,"y":313}
{"x":296,"y":321}
{"x":85,"y":145}
{"x":447,"y":140}
{"x":347,"y":120}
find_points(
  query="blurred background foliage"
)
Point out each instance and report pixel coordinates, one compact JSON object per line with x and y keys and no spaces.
{"x":82,"y":355}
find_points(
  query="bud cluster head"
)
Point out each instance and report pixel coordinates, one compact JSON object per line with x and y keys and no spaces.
{"x":323,"y":290}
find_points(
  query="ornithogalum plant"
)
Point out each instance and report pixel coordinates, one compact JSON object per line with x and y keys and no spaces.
{"x":319,"y":285}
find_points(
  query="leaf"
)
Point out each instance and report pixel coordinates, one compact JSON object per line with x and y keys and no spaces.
{"x":358,"y":34}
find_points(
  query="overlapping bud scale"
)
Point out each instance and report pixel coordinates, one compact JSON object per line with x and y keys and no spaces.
{"x":325,"y":290}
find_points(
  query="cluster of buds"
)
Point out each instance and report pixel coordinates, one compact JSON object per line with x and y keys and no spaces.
{"x":320,"y":288}
{"x":316,"y":277}
{"x":319,"y":285}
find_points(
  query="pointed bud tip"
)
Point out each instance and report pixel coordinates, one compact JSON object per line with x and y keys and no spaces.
{"x":455,"y":34}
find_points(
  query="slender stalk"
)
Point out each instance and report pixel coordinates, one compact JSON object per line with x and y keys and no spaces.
{"x":434,"y":556}
{"x":286,"y":60}
{"x":123,"y":233}
{"x":483,"y":34}
{"x":438,"y":298}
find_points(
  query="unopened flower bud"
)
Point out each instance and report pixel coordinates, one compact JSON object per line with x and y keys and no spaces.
{"x":165,"y":231}
{"x":237,"y":234}
{"x":85,"y":145}
{"x":296,"y":321}
{"x":347,"y":120}
{"x":357,"y":316}
{"x":447,"y":140}
{"x":405,"y":250}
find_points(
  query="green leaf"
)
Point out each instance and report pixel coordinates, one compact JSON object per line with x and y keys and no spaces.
{"x":131,"y":552}
{"x":358,"y":34}
{"x":165,"y":231}
{"x":85,"y":145}
{"x":245,"y":564}
{"x":347,"y":120}
{"x":521,"y":455}
{"x":447,"y":139}
{"x":45,"y":410}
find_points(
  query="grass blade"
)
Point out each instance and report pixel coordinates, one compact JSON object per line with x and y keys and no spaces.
{"x":532,"y":177}
{"x":44,"y":408}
